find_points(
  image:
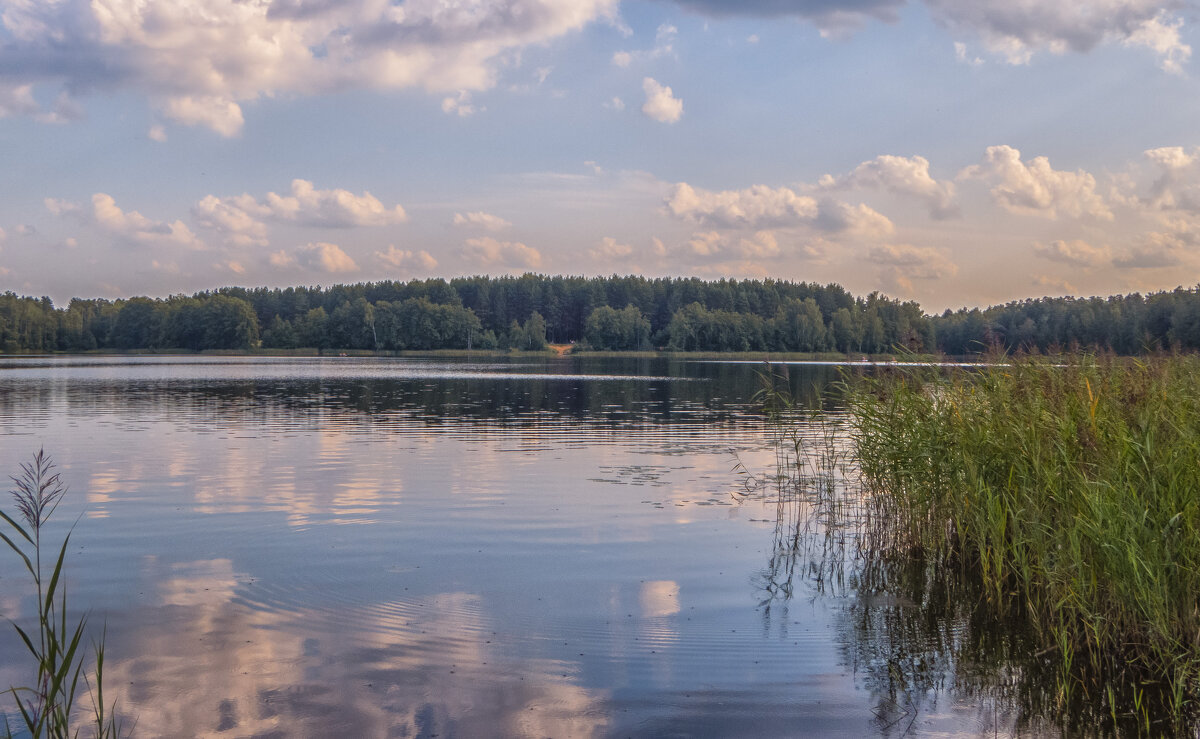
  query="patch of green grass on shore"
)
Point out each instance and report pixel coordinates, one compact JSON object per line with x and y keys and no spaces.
{"x":1068,"y":488}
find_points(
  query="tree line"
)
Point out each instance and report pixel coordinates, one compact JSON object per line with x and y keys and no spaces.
{"x":603,"y":313}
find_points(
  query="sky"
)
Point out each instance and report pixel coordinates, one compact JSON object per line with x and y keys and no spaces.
{"x":955,"y":152}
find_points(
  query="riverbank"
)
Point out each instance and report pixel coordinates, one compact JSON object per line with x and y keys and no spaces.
{"x":1066,"y":494}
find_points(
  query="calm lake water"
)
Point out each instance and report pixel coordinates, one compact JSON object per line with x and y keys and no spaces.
{"x":433,"y":547}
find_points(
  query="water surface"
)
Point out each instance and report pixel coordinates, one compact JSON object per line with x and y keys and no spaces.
{"x":432,"y":547}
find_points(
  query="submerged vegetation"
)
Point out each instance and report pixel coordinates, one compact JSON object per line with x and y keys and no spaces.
{"x":1028,"y":531}
{"x":47,"y":709}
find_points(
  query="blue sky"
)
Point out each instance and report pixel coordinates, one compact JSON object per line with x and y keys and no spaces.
{"x":958,"y":153}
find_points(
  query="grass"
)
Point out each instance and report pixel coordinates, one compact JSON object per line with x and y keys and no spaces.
{"x":1067,"y":494}
{"x":47,"y":708}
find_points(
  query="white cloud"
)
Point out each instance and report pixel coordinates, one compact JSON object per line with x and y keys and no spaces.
{"x":232,"y":219}
{"x":616,"y":103}
{"x":459,"y":105}
{"x":240,"y":219}
{"x":960,"y":53}
{"x":664,"y":45}
{"x":610,"y":249}
{"x":906,"y":176}
{"x":200,"y":62}
{"x":1076,"y":252}
{"x":129,"y":225}
{"x":1035,"y":188}
{"x":1161,"y":35}
{"x":325,"y":257}
{"x":753,"y":207}
{"x":479,"y":219}
{"x":407,"y":260}
{"x":280,"y":259}
{"x":157,"y":133}
{"x":3,"y":235}
{"x":763,"y":207}
{"x":903,"y":263}
{"x":487,"y":251}
{"x":915,"y":261}
{"x":661,"y":104}
{"x":1056,"y":284}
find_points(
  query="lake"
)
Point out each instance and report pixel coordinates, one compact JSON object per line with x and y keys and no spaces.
{"x":553,"y":547}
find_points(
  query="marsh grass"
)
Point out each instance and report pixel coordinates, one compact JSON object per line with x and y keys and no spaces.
{"x":1062,"y":498}
{"x":47,"y":708}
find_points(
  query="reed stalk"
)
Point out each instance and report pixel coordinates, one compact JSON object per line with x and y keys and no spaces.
{"x":46,"y":709}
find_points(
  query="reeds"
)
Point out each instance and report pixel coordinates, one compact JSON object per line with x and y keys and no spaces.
{"x":47,"y":708}
{"x":1068,"y":493}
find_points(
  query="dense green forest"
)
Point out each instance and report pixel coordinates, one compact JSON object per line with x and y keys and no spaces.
{"x":605,"y":313}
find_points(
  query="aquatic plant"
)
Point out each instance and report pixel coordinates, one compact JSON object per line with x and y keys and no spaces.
{"x":56,"y":646}
{"x":1066,"y":494}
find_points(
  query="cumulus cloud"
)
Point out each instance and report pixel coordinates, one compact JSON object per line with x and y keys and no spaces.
{"x":241,"y":219}
{"x":232,"y":218}
{"x":489,"y":252}
{"x":280,"y":259}
{"x":610,"y":249}
{"x":661,"y":104}
{"x":199,"y":62}
{"x":904,"y":263}
{"x":1075,"y":252}
{"x":325,"y":257}
{"x":902,"y":175}
{"x":407,"y":260}
{"x":1036,"y":188}
{"x":481,"y":220}
{"x":760,"y":207}
{"x":1047,"y":282}
{"x":1175,"y":188}
{"x":131,"y":225}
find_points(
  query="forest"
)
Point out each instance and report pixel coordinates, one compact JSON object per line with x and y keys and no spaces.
{"x":598,"y":313}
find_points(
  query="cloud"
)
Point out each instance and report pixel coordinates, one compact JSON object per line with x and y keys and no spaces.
{"x":280,"y":259}
{"x":1076,"y":252}
{"x":479,"y":219}
{"x":960,"y":54}
{"x":1047,"y":282}
{"x":325,"y":257}
{"x":905,"y":176}
{"x":487,"y":251}
{"x":904,"y":263}
{"x":1036,"y":188}
{"x":200,"y":62}
{"x":459,"y":105}
{"x":664,"y":45}
{"x":128,"y":225}
{"x":407,"y":260}
{"x":240,"y":219}
{"x":1175,"y":188}
{"x":915,"y":261}
{"x":232,"y":219}
{"x":763,"y":207}
{"x":1012,"y":29}
{"x":616,"y":103}
{"x":831,"y":16}
{"x":157,"y":133}
{"x":1016,"y":29}
{"x":661,"y":104}
{"x":610,"y":250}
{"x":3,"y":235}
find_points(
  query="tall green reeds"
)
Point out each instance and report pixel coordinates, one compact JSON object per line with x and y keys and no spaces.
{"x":46,"y":709}
{"x":1069,"y":492}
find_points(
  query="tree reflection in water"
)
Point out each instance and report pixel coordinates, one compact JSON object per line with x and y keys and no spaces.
{"x":920,"y":636}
